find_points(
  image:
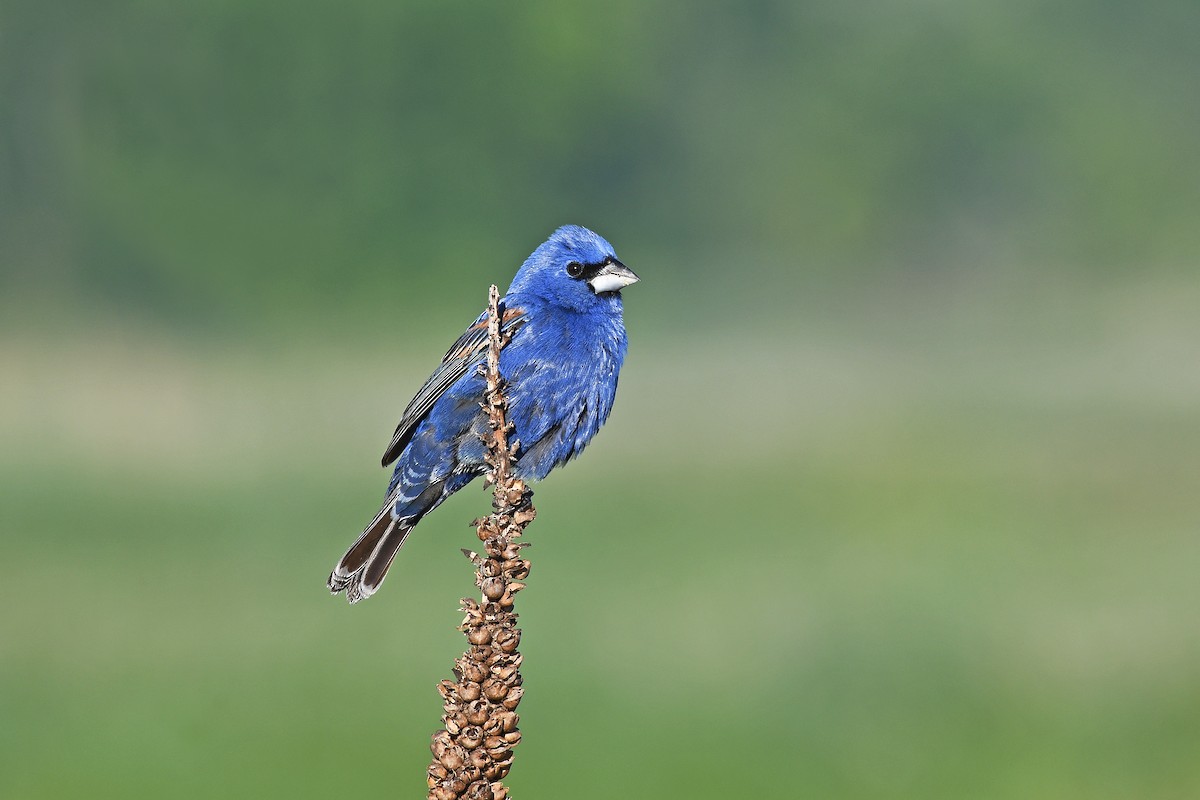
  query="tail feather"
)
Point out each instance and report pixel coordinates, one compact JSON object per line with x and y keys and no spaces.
{"x":366,"y":563}
{"x":363,"y":568}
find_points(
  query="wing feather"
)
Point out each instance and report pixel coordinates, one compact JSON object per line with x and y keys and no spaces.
{"x":466,"y":353}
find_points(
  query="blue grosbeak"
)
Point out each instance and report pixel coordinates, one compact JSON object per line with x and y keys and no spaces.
{"x":563,"y":312}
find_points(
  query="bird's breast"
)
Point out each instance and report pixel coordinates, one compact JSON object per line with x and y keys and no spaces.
{"x":561,"y":389}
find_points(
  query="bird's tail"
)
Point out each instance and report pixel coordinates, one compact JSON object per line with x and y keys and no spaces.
{"x":366,"y":563}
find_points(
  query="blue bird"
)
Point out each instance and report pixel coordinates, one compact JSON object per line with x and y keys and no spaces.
{"x":563,"y":312}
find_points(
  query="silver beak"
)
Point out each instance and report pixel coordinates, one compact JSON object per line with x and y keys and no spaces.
{"x":612,"y":277}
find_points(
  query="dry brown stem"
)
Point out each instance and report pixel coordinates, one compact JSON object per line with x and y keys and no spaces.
{"x":474,"y":749}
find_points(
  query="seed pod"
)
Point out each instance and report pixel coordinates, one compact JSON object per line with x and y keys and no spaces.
{"x":496,"y":661}
{"x":501,"y":755}
{"x":493,"y":588}
{"x":479,"y":636}
{"x":500,"y":659}
{"x":471,"y":671}
{"x":479,"y":758}
{"x":454,"y":757}
{"x":508,"y":720}
{"x":512,"y":738}
{"x":516,"y":569}
{"x":494,"y":690}
{"x":471,"y":737}
{"x":476,"y":712}
{"x":479,"y":790}
{"x":441,"y":793}
{"x":508,"y":639}
{"x":514,"y":697}
{"x":471,"y":614}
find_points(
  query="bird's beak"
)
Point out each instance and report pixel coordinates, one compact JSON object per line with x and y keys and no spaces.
{"x":612,"y":277}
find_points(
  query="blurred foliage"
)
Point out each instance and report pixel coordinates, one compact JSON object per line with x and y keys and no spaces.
{"x":898,"y":498}
{"x":221,"y":163}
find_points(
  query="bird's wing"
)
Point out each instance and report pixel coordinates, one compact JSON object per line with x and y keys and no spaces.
{"x":469,"y":351}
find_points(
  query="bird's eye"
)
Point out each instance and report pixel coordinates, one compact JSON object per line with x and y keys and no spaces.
{"x":574,"y":269}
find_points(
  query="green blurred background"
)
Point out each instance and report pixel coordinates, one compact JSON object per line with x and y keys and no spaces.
{"x":900,"y":495}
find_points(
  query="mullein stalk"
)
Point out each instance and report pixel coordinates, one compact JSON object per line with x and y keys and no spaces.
{"x":473,"y":750}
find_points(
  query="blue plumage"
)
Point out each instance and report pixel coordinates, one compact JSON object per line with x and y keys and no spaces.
{"x":563,"y":311}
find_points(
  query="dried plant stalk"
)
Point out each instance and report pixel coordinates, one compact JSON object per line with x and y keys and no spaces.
{"x":474,"y":749}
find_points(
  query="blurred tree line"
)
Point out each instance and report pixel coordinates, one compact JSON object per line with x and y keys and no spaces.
{"x":246,"y":162}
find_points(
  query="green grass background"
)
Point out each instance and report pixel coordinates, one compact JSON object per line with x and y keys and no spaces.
{"x":899,"y":496}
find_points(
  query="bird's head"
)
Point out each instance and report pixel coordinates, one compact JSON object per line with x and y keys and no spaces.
{"x":576,"y":269}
